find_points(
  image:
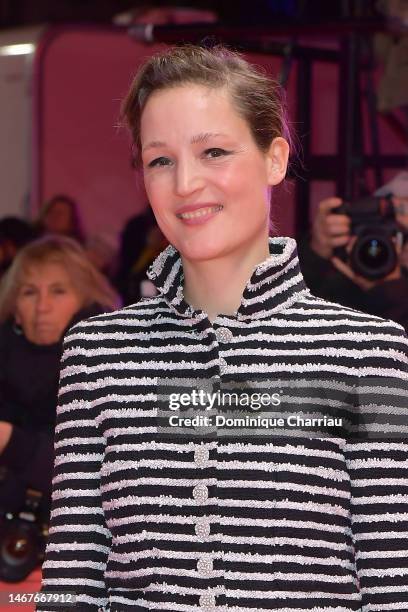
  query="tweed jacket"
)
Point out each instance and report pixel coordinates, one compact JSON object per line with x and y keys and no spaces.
{"x":142,"y":521}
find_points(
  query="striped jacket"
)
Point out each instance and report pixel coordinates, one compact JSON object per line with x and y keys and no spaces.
{"x":143,"y":521}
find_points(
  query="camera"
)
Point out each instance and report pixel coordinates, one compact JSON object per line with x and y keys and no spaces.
{"x":23,"y":537}
{"x":374,"y":224}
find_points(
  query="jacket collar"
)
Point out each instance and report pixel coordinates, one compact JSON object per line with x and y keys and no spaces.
{"x":275,"y":284}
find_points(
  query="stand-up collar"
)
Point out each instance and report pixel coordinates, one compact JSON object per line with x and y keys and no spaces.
{"x":275,"y":284}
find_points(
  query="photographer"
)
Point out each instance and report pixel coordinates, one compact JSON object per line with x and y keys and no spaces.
{"x":330,"y":277}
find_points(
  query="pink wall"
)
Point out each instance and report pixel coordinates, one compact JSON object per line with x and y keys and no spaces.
{"x":81,"y":75}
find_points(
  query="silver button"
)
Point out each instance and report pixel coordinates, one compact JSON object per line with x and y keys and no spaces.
{"x":201,"y":455}
{"x":223,"y":364}
{"x":205,"y":565}
{"x":202,"y":529}
{"x":207,"y":601}
{"x":205,"y":385}
{"x":223,"y":334}
{"x":200,"y":493}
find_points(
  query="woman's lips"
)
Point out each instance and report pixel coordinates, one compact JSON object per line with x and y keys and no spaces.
{"x":44,"y":325}
{"x":199,"y":216}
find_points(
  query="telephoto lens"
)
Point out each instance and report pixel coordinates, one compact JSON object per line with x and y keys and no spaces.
{"x":374,"y":225}
{"x":373,"y":255}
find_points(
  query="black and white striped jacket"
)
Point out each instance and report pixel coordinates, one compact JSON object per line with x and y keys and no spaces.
{"x":147,"y":522}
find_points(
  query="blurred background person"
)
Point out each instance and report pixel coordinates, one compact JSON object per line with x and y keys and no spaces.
{"x":140,"y":243}
{"x":50,"y":286}
{"x":14,"y":234}
{"x":60,"y":215}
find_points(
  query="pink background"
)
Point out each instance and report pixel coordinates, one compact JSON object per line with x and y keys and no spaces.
{"x":81,"y":75}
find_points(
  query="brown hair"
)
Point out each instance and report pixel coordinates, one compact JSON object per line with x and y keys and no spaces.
{"x":91,"y":285}
{"x":257,"y":98}
{"x":76,"y":231}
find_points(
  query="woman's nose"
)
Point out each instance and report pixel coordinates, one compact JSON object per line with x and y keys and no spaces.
{"x":189,"y":177}
{"x":43,"y":302}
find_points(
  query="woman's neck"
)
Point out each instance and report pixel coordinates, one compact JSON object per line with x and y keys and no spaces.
{"x":216,"y":286}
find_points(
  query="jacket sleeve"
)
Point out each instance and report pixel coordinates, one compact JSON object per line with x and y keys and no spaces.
{"x":378,"y":469}
{"x":79,"y":540}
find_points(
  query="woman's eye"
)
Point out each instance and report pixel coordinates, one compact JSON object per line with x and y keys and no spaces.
{"x":215,"y":152}
{"x":159,"y":161}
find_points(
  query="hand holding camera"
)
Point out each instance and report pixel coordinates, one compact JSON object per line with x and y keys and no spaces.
{"x":329,"y":230}
{"x":363,"y":240}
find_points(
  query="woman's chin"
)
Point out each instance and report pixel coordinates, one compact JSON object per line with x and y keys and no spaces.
{"x":43,"y":338}
{"x":200,"y":250}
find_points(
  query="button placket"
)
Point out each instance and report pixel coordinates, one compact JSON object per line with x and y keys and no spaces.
{"x":200,"y":493}
{"x":223,"y":334}
{"x":223,"y":364}
{"x":202,"y":528}
{"x":207,"y":601}
{"x":201,"y":455}
{"x":205,"y":565}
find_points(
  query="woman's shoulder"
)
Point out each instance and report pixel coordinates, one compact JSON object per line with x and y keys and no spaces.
{"x":355,"y":329}
{"x":322,"y":309}
{"x":140,"y":313}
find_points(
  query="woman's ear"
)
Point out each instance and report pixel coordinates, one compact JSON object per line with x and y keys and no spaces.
{"x":277,"y":160}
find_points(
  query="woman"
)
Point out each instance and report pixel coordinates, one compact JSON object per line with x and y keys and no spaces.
{"x":60,"y":215}
{"x":50,"y":286}
{"x":141,"y":242}
{"x":146,"y":520}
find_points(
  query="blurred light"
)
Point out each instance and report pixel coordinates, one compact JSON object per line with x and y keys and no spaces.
{"x":22,"y":49}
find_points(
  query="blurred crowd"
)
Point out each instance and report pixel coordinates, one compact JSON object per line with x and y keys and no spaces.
{"x":51,"y":277}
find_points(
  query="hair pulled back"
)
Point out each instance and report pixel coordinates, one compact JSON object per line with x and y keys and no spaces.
{"x":258,"y":98}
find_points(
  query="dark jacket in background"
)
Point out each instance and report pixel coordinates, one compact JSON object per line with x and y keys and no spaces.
{"x":388,"y":300}
{"x":29,"y":376}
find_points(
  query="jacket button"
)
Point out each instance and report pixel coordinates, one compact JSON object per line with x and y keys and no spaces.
{"x":223,"y":364}
{"x":200,"y":493}
{"x":207,"y":602}
{"x":223,"y":334}
{"x":201,"y":455}
{"x":205,"y":565}
{"x":205,"y":386}
{"x":202,"y":529}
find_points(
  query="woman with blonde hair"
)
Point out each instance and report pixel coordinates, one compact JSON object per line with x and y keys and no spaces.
{"x":50,"y":285}
{"x":149,"y":513}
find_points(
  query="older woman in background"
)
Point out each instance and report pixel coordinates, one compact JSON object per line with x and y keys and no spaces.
{"x":50,"y":286}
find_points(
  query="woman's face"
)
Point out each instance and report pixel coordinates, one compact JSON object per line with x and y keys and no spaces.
{"x":58,"y":219}
{"x":46,"y":302}
{"x":197,"y":150}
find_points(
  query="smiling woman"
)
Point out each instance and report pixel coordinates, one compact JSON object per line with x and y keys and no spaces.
{"x":145,"y":518}
{"x":216,"y":182}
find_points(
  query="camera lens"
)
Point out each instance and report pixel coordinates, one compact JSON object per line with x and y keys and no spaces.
{"x":16,"y":548}
{"x":21,"y":545}
{"x":373,"y":256}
